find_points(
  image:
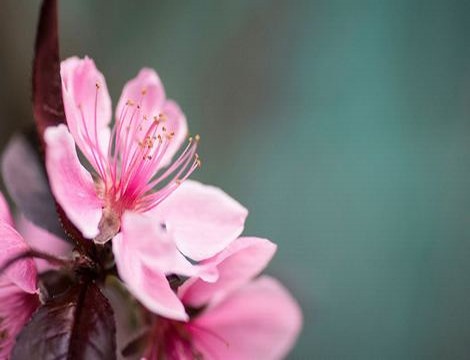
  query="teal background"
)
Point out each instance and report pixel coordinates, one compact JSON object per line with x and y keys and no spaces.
{"x":342,"y":125}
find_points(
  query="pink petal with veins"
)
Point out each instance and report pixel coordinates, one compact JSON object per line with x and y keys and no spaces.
{"x":259,"y":321}
{"x":241,"y":261}
{"x":87,"y":107}
{"x":150,"y":287}
{"x":23,"y":272}
{"x":72,"y":185}
{"x":202,"y":219}
{"x":16,"y":309}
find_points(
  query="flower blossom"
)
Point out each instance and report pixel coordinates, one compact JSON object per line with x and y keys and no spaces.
{"x":18,"y":284}
{"x":155,"y":231}
{"x":233,"y":318}
{"x":125,"y":162}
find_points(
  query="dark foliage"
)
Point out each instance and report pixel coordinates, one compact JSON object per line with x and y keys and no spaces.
{"x":77,"y":325}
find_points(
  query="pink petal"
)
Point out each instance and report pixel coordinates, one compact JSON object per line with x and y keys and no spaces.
{"x":43,"y":241}
{"x":175,"y":122}
{"x":147,"y":94}
{"x":72,"y":185}
{"x":149,"y":243}
{"x":259,"y":321}
{"x":87,"y":106}
{"x":23,"y":272}
{"x":244,"y":259}
{"x":150,"y":287}
{"x":145,"y":90}
{"x":5,"y":214}
{"x":202,"y":219}
{"x":15,"y":310}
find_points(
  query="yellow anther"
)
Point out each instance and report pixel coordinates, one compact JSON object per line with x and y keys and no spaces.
{"x":197,"y":160}
{"x":197,"y":137}
{"x":129,"y":102}
{"x":147,"y":142}
{"x":143,"y":91}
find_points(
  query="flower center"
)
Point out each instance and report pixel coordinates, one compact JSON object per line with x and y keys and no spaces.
{"x":130,"y":160}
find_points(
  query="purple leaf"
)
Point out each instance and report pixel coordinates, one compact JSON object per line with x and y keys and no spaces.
{"x":26,"y":182}
{"x":47,"y":94}
{"x":77,"y":325}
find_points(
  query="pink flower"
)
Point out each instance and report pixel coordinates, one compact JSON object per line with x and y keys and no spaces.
{"x":18,"y":289}
{"x":126,"y":160}
{"x":195,"y":221}
{"x":235,"y":317}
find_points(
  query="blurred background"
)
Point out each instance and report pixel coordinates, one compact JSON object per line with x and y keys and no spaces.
{"x":344,"y":126}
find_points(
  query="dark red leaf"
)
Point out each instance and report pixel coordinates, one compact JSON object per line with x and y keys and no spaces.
{"x":47,"y":94}
{"x":77,"y":325}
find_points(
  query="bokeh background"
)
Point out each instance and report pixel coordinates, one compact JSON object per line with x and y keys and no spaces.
{"x":344,"y":126}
